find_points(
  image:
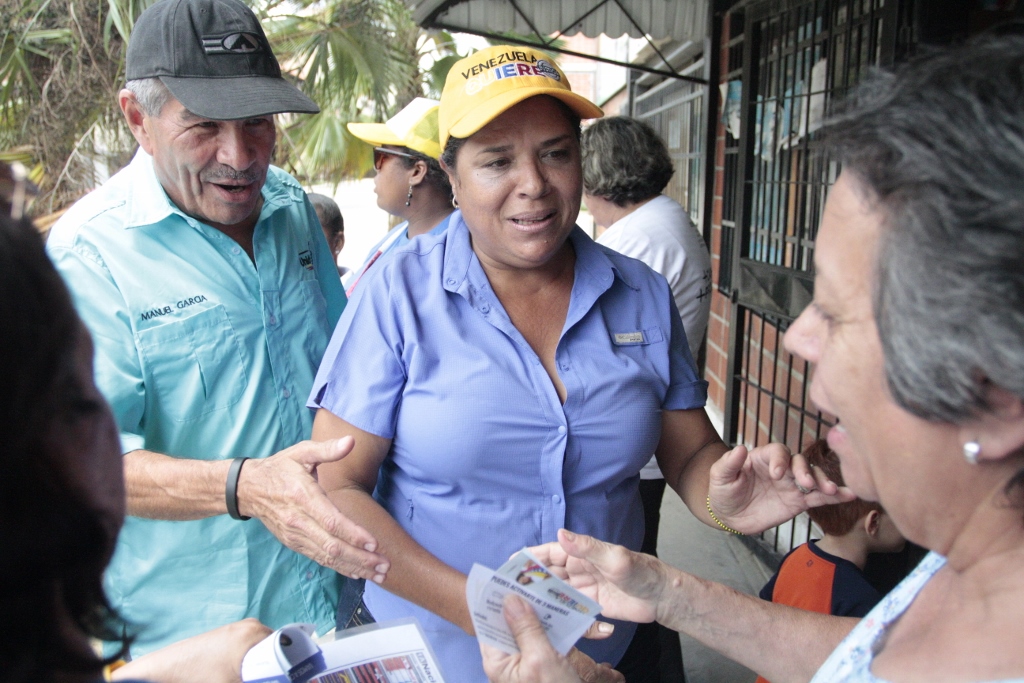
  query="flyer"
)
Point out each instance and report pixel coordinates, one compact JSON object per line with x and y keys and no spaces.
{"x":389,"y":652}
{"x":565,"y":613}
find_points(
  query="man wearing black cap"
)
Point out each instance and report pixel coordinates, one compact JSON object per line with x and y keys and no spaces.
{"x":204,"y":278}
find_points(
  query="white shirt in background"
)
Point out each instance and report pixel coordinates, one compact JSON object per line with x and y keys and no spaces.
{"x":660,"y":234}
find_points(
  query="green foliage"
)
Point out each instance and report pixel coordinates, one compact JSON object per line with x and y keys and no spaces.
{"x":344,"y":56}
{"x":60,"y":71}
{"x":23,"y":155}
{"x":62,"y":65}
{"x":360,"y":60}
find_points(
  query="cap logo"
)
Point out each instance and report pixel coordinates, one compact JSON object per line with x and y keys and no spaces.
{"x":544,"y":68}
{"x":507,"y":65}
{"x":234,"y":43}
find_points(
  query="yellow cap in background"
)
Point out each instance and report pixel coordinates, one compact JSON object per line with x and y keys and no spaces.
{"x":414,"y":127}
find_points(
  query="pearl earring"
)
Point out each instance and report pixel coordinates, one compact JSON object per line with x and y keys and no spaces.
{"x":972,"y":449}
{"x":408,"y":197}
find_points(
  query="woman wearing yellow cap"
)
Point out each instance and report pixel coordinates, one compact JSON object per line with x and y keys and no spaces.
{"x":409,"y":183}
{"x":511,"y":377}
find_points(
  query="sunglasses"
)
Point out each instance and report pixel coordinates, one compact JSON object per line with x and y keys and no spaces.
{"x":380,"y":152}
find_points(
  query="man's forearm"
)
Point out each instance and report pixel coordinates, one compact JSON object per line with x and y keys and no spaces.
{"x":779,"y":642}
{"x":161,"y":487}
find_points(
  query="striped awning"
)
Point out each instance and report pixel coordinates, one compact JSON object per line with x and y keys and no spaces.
{"x":679,"y":20}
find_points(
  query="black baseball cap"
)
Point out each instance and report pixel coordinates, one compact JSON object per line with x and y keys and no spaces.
{"x":214,"y":58}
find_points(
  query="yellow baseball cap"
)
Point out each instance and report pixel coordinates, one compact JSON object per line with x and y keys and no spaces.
{"x":414,"y":127}
{"x":485,"y":84}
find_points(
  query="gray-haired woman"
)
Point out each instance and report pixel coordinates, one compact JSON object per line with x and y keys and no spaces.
{"x":625,"y":168}
{"x":917,"y":334}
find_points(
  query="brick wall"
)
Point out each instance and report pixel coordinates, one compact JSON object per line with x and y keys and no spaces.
{"x":718,"y":325}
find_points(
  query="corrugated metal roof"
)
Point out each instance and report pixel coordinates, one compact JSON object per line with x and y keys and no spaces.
{"x":679,"y":19}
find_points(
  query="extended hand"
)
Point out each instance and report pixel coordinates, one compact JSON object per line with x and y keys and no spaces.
{"x":211,"y":657}
{"x":283,"y":492}
{"x":627,"y":585}
{"x":537,"y":661}
{"x":755,"y":490}
{"x":590,"y":671}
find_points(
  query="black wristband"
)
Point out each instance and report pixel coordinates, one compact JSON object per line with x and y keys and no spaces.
{"x":231,"y":489}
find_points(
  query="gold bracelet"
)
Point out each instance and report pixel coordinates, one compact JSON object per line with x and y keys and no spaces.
{"x":111,"y":668}
{"x":719,"y":522}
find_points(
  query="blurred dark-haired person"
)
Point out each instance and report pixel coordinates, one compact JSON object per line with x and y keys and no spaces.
{"x":333,"y":225}
{"x":626,"y":165}
{"x":62,"y":497}
{"x":827,"y":575}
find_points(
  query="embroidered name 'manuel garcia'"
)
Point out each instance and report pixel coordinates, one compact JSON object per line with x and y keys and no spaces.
{"x":164,"y":310}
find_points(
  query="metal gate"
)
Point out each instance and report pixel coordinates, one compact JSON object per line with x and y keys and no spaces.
{"x":676,"y":109}
{"x":797,"y":57}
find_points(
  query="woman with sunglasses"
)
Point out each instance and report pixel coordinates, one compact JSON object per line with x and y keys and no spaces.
{"x":409,"y":182}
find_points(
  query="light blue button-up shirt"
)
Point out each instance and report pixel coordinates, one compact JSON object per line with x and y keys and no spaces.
{"x":203,"y":354}
{"x":484,"y":458}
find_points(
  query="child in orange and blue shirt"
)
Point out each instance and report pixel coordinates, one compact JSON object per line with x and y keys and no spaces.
{"x":826,"y":575}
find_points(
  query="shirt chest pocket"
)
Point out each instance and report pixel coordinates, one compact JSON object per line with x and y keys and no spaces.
{"x":651,"y":335}
{"x":193,"y":366}
{"x":645,"y":354}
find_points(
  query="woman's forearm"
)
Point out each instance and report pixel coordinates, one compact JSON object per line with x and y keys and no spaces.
{"x":415,"y":574}
{"x":779,"y":642}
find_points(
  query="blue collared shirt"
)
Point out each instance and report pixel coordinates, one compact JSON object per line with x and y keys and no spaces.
{"x":203,"y":355}
{"x":484,"y":458}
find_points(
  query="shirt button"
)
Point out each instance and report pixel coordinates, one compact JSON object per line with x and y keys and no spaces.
{"x":286,"y":392}
{"x":309,"y":576}
{"x":556,"y":499}
{"x":273,"y":319}
{"x":565,"y":366}
{"x":450,"y":281}
{"x":236,"y":250}
{"x":561,"y":429}
{"x":485,"y":309}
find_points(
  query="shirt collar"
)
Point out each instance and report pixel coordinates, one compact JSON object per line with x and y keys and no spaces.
{"x":147,"y":201}
{"x":592,"y":260}
{"x":149,"y":204}
{"x":458,"y":253}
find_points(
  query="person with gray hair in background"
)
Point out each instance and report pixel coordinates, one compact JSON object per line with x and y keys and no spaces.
{"x":916,"y":331}
{"x":625,"y":167}
{"x":332,"y":223}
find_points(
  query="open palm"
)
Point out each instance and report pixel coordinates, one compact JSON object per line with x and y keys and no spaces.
{"x":627,"y":585}
{"x":757,"y":489}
